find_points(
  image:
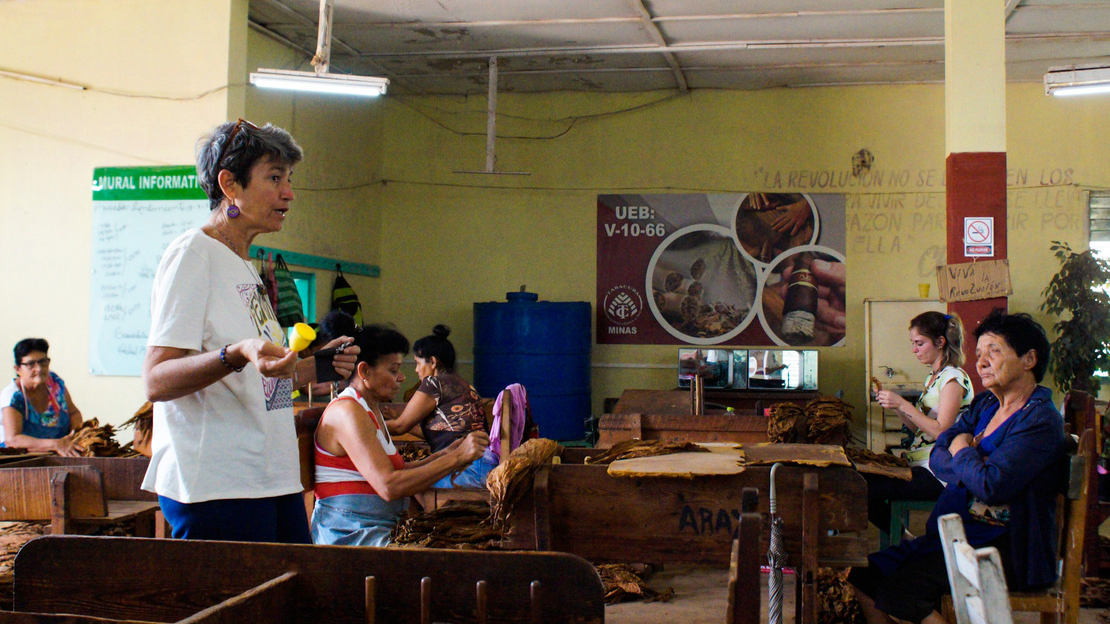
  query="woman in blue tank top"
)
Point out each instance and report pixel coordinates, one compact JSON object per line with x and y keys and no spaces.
{"x":38,"y":412}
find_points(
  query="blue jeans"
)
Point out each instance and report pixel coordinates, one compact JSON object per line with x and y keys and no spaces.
{"x":279,"y":519}
{"x":473,"y":476}
{"x":355,"y":519}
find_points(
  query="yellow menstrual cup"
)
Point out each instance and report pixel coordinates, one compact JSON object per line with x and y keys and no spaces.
{"x":300,"y":336}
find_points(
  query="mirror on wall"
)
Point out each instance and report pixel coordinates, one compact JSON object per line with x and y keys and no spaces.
{"x":713,"y":365}
{"x":782,"y":369}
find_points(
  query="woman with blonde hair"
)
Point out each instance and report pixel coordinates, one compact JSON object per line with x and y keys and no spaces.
{"x":936,"y":339}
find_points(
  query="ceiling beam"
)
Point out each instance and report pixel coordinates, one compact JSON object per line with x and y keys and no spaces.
{"x":784,"y":44}
{"x":578,"y":21}
{"x":653,"y":49}
{"x":653,"y":32}
{"x":688,"y":69}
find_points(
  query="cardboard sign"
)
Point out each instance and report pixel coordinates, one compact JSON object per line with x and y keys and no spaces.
{"x":974,"y":280}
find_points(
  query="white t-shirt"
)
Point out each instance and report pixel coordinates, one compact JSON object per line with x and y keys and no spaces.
{"x":918,"y":455}
{"x":235,"y":438}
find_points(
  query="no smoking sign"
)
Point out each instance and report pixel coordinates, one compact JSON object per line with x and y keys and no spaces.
{"x":979,"y":236}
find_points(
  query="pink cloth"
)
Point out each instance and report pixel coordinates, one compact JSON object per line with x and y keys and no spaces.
{"x":519,"y":403}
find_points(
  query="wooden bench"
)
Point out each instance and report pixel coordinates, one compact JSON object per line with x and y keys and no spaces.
{"x":580,"y":509}
{"x":129,"y":579}
{"x":666,"y":415}
{"x":78,"y":494}
{"x":744,"y":565}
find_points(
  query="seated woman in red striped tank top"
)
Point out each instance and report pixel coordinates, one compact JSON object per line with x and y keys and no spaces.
{"x":362,"y":483}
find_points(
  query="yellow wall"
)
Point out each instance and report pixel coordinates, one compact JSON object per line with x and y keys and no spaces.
{"x":156,"y":72}
{"x":452,"y":239}
{"x":378,"y":185}
{"x":152,"y":92}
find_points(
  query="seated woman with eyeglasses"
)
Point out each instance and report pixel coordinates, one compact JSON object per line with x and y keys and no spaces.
{"x":38,"y":412}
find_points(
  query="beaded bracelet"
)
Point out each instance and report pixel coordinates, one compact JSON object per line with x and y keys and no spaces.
{"x":223,"y":360}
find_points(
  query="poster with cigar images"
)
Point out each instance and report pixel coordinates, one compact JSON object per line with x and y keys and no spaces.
{"x":747,"y":269}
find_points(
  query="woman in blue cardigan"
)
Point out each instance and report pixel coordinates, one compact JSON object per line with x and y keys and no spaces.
{"x":1004,"y":462}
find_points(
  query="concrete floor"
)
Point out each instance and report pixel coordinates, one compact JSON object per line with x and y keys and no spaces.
{"x":701,"y":597}
{"x":701,"y":594}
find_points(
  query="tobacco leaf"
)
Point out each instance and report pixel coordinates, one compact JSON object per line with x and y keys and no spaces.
{"x":477,"y":524}
{"x":828,"y":420}
{"x":782,"y":423}
{"x":859,"y":455}
{"x":1094,"y":593}
{"x":627,"y":449}
{"x":13,"y":535}
{"x":93,"y":440}
{"x":142,"y":420}
{"x":836,"y":599}
{"x":458,"y":524}
{"x":623,"y":583}
{"x":508,"y":482}
{"x":413,"y":451}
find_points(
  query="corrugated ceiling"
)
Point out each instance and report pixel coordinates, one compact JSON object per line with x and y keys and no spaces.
{"x":443,"y":46}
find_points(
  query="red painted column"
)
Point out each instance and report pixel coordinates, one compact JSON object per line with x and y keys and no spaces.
{"x":976,"y":187}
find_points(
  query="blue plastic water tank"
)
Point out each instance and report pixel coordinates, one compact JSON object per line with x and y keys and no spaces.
{"x":544,"y":345}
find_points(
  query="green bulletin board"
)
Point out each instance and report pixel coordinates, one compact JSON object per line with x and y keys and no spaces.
{"x":137,"y":212}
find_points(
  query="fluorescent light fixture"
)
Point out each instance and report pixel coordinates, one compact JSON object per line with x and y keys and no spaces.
{"x":319,"y":83}
{"x":1077,"y":80}
{"x":321,"y":80}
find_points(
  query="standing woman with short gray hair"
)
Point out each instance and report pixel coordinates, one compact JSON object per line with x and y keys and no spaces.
{"x":218,"y":368}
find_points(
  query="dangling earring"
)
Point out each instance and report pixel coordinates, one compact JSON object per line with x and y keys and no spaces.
{"x":232,"y":211}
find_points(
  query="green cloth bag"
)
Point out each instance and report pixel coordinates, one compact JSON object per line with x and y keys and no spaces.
{"x":343,"y":297}
{"x":289,"y":310}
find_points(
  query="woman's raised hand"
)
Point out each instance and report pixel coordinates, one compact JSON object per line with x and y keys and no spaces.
{"x":890,"y":400}
{"x":345,"y":361}
{"x":473,"y":445}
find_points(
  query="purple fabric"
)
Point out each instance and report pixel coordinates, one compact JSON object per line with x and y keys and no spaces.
{"x":519,"y":398}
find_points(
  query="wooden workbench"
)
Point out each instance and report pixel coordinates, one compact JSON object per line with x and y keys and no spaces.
{"x":151,"y":580}
{"x":79,"y":493}
{"x":582,"y":510}
{"x":666,"y":415}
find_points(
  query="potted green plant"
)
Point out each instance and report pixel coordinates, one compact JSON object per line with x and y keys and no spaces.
{"x":1077,"y":295}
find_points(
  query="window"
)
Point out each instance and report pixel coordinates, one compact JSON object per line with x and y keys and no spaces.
{"x":1099,"y":207}
{"x":306,"y":288}
{"x":1100,"y":223}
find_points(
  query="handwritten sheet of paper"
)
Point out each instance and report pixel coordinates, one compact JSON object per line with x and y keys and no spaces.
{"x":970,"y":281}
{"x":136,"y":214}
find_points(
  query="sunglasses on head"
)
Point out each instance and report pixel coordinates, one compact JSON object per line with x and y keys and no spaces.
{"x":226,"y":147}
